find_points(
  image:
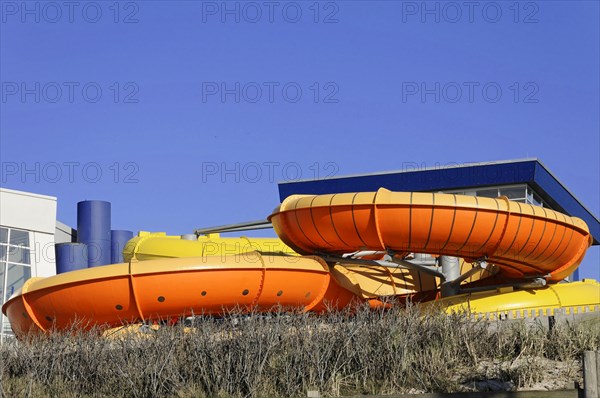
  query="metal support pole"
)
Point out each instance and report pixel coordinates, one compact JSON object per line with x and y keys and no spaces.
{"x":451,"y":270}
{"x":424,"y":259}
{"x":242,"y":226}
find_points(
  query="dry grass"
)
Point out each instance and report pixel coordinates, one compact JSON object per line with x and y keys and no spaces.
{"x":286,"y":354}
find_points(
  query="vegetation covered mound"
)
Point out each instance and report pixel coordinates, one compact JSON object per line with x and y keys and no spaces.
{"x":354,"y":352}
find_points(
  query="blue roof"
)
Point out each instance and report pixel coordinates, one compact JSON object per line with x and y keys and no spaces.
{"x":526,"y":171}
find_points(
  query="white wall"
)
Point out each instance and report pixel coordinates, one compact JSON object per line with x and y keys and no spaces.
{"x":45,"y":261}
{"x":37,"y":214}
{"x":63,"y":233}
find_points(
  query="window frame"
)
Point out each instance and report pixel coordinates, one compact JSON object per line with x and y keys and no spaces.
{"x":531,"y":196}
{"x":5,"y":330}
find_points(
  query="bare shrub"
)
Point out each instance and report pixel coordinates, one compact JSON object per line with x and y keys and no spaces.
{"x":285,"y":353}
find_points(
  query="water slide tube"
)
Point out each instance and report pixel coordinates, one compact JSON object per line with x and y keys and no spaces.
{"x":522,"y":240}
{"x":111,"y":295}
{"x":365,"y":281}
{"x":561,"y":299}
{"x":157,"y":245}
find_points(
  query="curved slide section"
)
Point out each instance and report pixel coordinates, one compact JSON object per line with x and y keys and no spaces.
{"x":112,"y":295}
{"x":576,"y":298}
{"x":366,"y":281}
{"x":523,"y":240}
{"x":157,"y":245}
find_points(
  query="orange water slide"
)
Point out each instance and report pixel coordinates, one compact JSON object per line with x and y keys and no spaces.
{"x":113,"y":295}
{"x":521,"y":239}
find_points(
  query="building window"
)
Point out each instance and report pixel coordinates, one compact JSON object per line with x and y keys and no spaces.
{"x":15,"y":260}
{"x":2,"y":278}
{"x":15,"y":264}
{"x":519,"y":193}
{"x":16,"y":275}
{"x":487,"y":193}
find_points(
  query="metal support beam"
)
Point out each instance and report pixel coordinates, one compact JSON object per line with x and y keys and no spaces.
{"x":243,"y":226}
{"x":430,"y":270}
{"x":363,"y":253}
{"x":332,"y":258}
{"x":532,"y":284}
{"x":388,"y":261}
{"x":480,"y":266}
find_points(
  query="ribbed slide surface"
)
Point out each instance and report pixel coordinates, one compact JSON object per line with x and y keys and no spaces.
{"x":112,"y":295}
{"x":523,"y":240}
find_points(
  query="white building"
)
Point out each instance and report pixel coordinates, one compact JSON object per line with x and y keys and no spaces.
{"x":27,"y":235}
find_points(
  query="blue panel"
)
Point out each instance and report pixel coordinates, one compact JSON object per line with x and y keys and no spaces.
{"x":93,"y":229}
{"x":565,"y":202}
{"x":530,"y":172}
{"x":70,"y":257}
{"x":425,"y":180}
{"x":118,"y":239}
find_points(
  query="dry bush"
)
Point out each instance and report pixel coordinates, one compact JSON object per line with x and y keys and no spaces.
{"x":566,"y":341}
{"x":286,"y":353}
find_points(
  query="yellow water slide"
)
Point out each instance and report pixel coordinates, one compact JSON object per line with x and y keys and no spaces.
{"x":159,"y":245}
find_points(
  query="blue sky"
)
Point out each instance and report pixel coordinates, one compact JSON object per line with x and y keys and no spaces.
{"x":186,"y":114}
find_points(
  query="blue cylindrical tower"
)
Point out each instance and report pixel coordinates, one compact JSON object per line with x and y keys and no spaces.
{"x":70,"y":257}
{"x":93,"y":229}
{"x":118,"y":239}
